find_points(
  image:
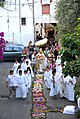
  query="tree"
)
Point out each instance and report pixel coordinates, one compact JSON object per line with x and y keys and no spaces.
{"x":67,"y":14}
{"x":71,"y":52}
{"x":2,"y":3}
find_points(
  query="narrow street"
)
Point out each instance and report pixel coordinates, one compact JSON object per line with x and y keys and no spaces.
{"x":21,"y":109}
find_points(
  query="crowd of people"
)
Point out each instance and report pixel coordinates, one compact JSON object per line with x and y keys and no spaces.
{"x":36,"y":60}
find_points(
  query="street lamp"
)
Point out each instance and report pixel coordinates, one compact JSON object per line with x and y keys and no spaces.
{"x":20,"y":20}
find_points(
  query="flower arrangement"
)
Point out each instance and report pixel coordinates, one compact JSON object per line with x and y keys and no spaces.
{"x":39,"y":107}
{"x":2,"y":45}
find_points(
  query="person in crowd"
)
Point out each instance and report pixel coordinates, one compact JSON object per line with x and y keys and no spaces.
{"x":23,"y":65}
{"x":58,"y":60}
{"x":24,"y":54}
{"x":50,"y":56}
{"x":70,"y":83}
{"x":27,"y":59}
{"x":56,"y":50}
{"x":26,"y":80}
{"x":41,"y":58}
{"x":19,"y":68}
{"x":11,"y":82}
{"x":28,"y":65}
{"x":15,"y":66}
{"x":21,"y":89}
{"x":46,"y":61}
{"x":25,"y":50}
{"x":53,"y":88}
{"x":46,"y":51}
{"x":34,"y":61}
{"x":30,"y":75}
{"x":52,"y":65}
{"x":47,"y":77}
{"x":62,"y":86}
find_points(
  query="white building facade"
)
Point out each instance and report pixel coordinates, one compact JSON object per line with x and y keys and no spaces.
{"x":18,"y":19}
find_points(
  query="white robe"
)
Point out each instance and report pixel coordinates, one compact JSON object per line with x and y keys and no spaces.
{"x":30,"y":76}
{"x":58,"y":61}
{"x":15,"y":66}
{"x":48,"y":78}
{"x":29,"y":61}
{"x":62,"y":85}
{"x":12,"y":80}
{"x":59,"y":69}
{"x":55,"y":88}
{"x":26,"y":82}
{"x":21,"y":89}
{"x":23,"y":65}
{"x":70,"y":87}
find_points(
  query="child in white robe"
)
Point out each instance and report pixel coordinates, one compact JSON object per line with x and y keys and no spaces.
{"x":11,"y":82}
{"x":21,"y":89}
{"x":23,"y":65}
{"x":48,"y":78}
{"x":70,"y":83}
{"x":19,"y":68}
{"x":62,"y":85}
{"x":30,"y":75}
{"x":15,"y":66}
{"x":26,"y":80}
{"x":54,"y":90}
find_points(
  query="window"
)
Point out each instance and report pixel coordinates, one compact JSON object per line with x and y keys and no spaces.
{"x":45,"y":2}
{"x":2,"y":0}
{"x":8,"y":49}
{"x":23,"y":21}
{"x":46,"y":9}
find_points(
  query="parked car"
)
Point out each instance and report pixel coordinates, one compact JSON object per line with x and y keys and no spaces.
{"x":12,"y":52}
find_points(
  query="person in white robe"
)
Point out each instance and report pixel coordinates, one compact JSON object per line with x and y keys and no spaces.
{"x":56,"y":78}
{"x":34,"y":60}
{"x":27,"y":59}
{"x":27,"y":65}
{"x":19,"y":68}
{"x":46,"y":61}
{"x":15,"y":66}
{"x":26,"y":80}
{"x":70,"y":83}
{"x":48,"y":78}
{"x":55,"y":88}
{"x":58,"y":62}
{"x":62,"y":85}
{"x":21,"y":89}
{"x":23,"y":65}
{"x":30,"y":75}
{"x":11,"y":82}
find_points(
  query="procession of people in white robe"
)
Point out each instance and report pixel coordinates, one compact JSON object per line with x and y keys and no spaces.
{"x":21,"y":79}
{"x":58,"y":84}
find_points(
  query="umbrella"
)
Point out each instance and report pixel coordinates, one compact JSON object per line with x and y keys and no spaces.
{"x":41,"y":42}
